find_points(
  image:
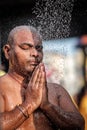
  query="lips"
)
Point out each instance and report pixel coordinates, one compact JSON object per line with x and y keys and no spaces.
{"x":34,"y":63}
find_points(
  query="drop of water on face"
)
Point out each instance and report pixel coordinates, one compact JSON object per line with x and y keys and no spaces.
{"x":53,"y":18}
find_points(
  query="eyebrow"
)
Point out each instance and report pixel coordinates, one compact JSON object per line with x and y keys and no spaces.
{"x":29,"y":44}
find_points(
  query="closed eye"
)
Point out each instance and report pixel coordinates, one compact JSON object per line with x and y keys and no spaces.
{"x":25,"y":46}
{"x":39,"y":47}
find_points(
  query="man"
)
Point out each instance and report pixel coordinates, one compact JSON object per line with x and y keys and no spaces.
{"x":27,"y":101}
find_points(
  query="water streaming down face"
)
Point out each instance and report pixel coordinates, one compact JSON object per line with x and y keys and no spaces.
{"x":53,"y":18}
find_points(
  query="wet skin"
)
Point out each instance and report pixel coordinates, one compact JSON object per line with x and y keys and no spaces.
{"x":38,"y":120}
{"x":48,"y":105}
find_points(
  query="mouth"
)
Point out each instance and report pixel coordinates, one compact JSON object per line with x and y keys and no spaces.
{"x":34,"y":63}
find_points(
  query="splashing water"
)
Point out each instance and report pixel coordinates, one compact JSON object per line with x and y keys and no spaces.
{"x":53,"y":18}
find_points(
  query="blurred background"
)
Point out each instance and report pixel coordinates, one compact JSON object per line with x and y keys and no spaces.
{"x":63,"y":25}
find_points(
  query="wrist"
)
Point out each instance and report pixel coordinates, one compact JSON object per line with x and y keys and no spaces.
{"x":29,"y":106}
{"x":23,"y":111}
{"x":44,"y":105}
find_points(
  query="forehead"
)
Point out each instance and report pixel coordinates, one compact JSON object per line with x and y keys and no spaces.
{"x":26,"y":36}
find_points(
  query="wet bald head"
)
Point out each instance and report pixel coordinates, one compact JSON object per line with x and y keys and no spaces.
{"x":35,"y":33}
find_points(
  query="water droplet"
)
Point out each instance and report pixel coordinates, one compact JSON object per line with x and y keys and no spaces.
{"x":53,"y":18}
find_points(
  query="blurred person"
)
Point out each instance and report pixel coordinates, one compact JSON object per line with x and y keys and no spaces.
{"x":83,"y":105}
{"x":27,"y":101}
{"x":2,"y":72}
{"x":82,"y":95}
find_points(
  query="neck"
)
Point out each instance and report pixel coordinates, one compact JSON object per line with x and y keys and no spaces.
{"x":21,"y":75}
{"x":21,"y":79}
{"x":16,"y":76}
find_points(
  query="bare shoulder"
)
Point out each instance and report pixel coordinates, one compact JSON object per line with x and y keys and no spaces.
{"x":57,"y":94}
{"x":58,"y":91}
{"x":4,"y":80}
{"x":53,"y":87}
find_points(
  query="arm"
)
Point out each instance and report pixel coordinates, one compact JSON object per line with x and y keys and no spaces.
{"x":33,"y":95}
{"x":63,"y":112}
{"x":12,"y":119}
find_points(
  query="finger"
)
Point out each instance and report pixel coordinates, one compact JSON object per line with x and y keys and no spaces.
{"x":38,"y":78}
{"x":42,"y":67}
{"x":42,"y":80}
{"x":44,"y":73}
{"x":37,"y":83}
{"x":35,"y":75}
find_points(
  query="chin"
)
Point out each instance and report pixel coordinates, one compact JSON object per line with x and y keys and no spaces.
{"x":30,"y":70}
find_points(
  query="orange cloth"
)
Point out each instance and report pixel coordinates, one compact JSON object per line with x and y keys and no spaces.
{"x":83,"y":109}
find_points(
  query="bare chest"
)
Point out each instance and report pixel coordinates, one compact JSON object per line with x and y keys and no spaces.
{"x":12,"y":98}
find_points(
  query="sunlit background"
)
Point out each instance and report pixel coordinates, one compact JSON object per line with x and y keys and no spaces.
{"x":64,"y":63}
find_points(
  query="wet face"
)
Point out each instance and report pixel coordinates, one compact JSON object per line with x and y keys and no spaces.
{"x":26,"y":52}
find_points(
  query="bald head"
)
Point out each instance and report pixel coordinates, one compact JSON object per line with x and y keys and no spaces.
{"x":35,"y":33}
{"x":24,"y":43}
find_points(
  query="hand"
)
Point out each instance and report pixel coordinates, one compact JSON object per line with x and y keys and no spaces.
{"x":33,"y":94}
{"x":44,"y":100}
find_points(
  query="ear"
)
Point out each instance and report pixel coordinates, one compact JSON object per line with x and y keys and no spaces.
{"x":6,"y":50}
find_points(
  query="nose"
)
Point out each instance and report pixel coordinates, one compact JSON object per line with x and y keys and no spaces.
{"x":34,"y":52}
